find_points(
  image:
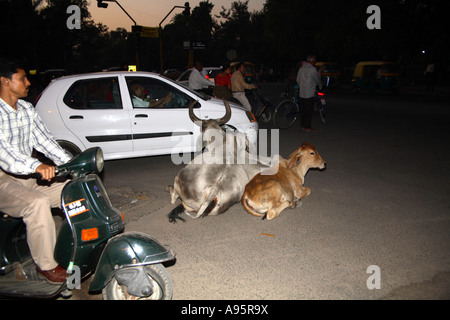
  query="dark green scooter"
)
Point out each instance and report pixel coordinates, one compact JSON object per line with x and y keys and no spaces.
{"x":90,"y":240}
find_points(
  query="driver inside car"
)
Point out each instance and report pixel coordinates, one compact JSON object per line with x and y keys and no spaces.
{"x":21,"y":196}
{"x":138,"y":97}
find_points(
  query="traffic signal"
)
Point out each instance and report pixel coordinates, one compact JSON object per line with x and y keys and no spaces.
{"x":100,"y":4}
{"x":187,"y":9}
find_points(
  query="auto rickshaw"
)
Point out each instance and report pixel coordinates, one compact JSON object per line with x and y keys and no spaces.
{"x":330,"y":74}
{"x":376,"y":76}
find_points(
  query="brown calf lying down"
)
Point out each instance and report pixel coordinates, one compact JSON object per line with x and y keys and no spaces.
{"x":267,"y":195}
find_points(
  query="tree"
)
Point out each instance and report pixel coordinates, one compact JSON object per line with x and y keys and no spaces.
{"x":198,"y":27}
{"x":20,"y":32}
{"x":280,"y":35}
{"x":60,"y":39}
{"x":233,"y":33}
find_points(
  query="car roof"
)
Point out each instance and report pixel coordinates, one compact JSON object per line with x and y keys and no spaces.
{"x":104,"y":74}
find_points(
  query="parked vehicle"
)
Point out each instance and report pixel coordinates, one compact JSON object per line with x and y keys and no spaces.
{"x":376,"y":76}
{"x":211,"y":73}
{"x":96,"y":109}
{"x":90,"y":240}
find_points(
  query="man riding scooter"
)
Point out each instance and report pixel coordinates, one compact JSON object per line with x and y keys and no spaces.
{"x":238,"y":86}
{"x":21,"y":130}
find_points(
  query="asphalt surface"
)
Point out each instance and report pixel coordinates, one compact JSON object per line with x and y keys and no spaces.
{"x":382,"y":201}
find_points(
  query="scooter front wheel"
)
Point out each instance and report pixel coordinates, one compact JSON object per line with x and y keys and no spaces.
{"x":161,"y":286}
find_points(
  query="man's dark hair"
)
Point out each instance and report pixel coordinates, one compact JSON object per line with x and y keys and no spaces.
{"x":7,"y":69}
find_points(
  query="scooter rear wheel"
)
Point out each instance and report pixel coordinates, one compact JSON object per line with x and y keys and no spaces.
{"x":162,"y":287}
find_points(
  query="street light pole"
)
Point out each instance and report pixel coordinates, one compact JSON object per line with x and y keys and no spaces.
{"x":100,"y":4}
{"x":186,"y":11}
{"x":105,"y":5}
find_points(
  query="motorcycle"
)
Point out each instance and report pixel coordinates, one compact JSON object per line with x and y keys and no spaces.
{"x":90,"y":240}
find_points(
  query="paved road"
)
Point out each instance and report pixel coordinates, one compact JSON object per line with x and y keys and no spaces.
{"x":382,"y":201}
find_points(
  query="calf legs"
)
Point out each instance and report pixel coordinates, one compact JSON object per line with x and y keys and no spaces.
{"x":283,"y":203}
{"x":275,"y":211}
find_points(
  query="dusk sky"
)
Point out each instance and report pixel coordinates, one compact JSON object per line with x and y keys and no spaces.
{"x":149,"y":13}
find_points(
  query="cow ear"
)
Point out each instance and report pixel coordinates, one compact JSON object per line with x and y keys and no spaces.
{"x":294,"y":161}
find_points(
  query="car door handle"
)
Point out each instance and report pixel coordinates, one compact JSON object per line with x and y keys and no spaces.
{"x":76,"y":117}
{"x":141,"y":116}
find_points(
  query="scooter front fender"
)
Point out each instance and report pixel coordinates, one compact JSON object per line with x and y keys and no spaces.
{"x":126,"y":250}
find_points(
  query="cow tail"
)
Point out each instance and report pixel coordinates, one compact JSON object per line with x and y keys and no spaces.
{"x":173,"y":195}
{"x":174,"y":215}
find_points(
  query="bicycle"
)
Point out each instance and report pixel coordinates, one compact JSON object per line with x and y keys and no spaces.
{"x":288,"y":110}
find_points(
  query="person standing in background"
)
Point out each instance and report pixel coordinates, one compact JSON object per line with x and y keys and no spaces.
{"x":198,"y":81}
{"x":223,"y":83}
{"x":308,"y":78}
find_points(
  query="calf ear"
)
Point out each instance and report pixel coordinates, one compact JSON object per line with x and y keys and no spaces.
{"x":296,"y":152}
{"x":295,"y":161}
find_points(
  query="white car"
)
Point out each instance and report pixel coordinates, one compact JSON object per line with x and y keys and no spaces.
{"x":96,"y":109}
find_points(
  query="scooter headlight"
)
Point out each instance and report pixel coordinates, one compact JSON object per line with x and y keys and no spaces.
{"x":99,"y":160}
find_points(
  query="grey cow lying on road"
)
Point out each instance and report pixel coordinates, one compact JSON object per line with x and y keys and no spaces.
{"x":214,"y":180}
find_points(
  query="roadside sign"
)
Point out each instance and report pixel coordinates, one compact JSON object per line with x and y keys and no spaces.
{"x":146,"y":32}
{"x":197,"y":45}
{"x":150,"y":32}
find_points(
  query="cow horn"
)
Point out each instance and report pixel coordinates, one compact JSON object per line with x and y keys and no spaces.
{"x":220,"y":121}
{"x":193,"y":117}
{"x":227,"y":115}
